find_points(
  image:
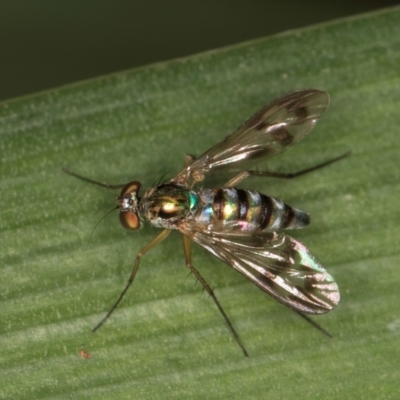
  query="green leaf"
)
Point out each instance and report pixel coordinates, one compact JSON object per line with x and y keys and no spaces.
{"x":166,"y":340}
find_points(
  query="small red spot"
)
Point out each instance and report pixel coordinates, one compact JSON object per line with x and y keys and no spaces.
{"x":84,"y":354}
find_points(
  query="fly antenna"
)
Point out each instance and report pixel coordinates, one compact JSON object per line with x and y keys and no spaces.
{"x":109,"y":187}
{"x":97,"y":224}
{"x":83,"y":178}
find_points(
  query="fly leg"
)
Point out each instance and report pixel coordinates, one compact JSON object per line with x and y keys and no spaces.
{"x":187,"y":247}
{"x":314,"y":324}
{"x":135,"y":268}
{"x":245,"y":174}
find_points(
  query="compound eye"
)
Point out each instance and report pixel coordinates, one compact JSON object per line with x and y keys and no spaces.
{"x":129,"y":188}
{"x":129,"y":220}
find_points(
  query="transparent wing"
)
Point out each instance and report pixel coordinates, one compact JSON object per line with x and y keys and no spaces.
{"x":278,"y":264}
{"x":271,"y":130}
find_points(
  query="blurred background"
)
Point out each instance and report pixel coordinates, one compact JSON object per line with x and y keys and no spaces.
{"x":47,"y":43}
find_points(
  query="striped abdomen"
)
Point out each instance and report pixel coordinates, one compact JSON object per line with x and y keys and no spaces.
{"x":251,"y":209}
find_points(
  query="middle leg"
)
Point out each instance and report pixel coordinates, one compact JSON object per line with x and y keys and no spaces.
{"x":187,"y":249}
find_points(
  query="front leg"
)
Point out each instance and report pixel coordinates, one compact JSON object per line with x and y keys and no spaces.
{"x":135,"y":268}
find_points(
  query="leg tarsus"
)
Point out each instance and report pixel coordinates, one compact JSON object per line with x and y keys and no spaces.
{"x":207,"y":288}
{"x":135,"y":268}
{"x":290,"y":175}
{"x":314,"y":324}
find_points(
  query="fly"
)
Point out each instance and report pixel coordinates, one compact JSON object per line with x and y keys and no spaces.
{"x":243,"y":228}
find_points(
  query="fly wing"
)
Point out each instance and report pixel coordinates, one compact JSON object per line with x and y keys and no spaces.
{"x":278,"y":264}
{"x":270,"y":131}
